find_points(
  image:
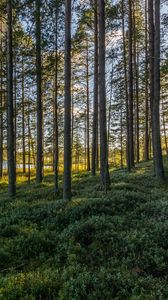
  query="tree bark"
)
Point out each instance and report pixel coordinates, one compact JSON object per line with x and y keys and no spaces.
{"x":10,"y":115}
{"x":56,"y":107}
{"x":23,"y":122}
{"x":29,"y":144}
{"x":39,"y":160}
{"x":87,"y":110}
{"x":67,"y":105}
{"x":151,"y":59}
{"x":146,"y":86}
{"x":110,"y":109}
{"x":130,"y":98}
{"x":104,"y":168}
{"x":1,"y":111}
{"x":126,"y":88}
{"x":95,"y":101}
{"x":158,"y":161}
{"x":136,"y":81}
{"x":164,"y":128}
{"x":15,"y":107}
{"x":137,"y":107}
{"x":121,"y":138}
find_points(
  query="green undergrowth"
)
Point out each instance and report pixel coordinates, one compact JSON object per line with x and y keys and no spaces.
{"x":98,"y":246}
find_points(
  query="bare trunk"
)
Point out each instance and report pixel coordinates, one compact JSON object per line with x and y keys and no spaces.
{"x":29,"y":145}
{"x":56,"y":107}
{"x":110,"y":109}
{"x":11,"y":159}
{"x":137,"y":108}
{"x":164,"y":128}
{"x":23,"y":122}
{"x":104,"y":168}
{"x":126,"y":88}
{"x":131,"y":131}
{"x":67,"y":104}
{"x":15,"y":107}
{"x":1,"y":112}
{"x":146,"y":87}
{"x":87,"y":110}
{"x":39,"y":161}
{"x":121,"y":137}
{"x":151,"y":60}
{"x":158,"y":161}
{"x":95,"y":102}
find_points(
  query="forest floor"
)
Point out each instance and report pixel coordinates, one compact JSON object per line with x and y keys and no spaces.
{"x":98,"y":246}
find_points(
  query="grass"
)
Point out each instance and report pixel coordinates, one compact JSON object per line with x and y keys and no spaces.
{"x":98,"y":246}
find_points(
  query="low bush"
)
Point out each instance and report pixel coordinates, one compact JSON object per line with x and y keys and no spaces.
{"x":98,"y":246}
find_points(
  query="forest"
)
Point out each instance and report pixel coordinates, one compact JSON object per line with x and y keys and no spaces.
{"x":83,"y":149}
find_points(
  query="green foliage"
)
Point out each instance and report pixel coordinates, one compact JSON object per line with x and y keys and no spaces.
{"x":98,"y":246}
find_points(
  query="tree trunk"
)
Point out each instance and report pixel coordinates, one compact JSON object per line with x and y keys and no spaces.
{"x":126,"y":89}
{"x":39,"y":161}
{"x":85,"y":140}
{"x":104,"y":168}
{"x":137,"y":107}
{"x":1,"y":132}
{"x":67,"y":104}
{"x":29,"y":144}
{"x":72,"y":116}
{"x":10,"y":115}
{"x":121,"y":138}
{"x":95,"y":101}
{"x":1,"y":112}
{"x":56,"y":107}
{"x":23,"y":122}
{"x":32,"y":149}
{"x":87,"y":110}
{"x":146,"y":87}
{"x":15,"y":106}
{"x":110,"y":109}
{"x":151,"y":59}
{"x":131,"y":117}
{"x":158,"y":161}
{"x":136,"y":80}
{"x":164,"y":128}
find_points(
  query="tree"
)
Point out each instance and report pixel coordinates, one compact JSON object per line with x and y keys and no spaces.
{"x":95,"y":101}
{"x":23,"y":121}
{"x":1,"y":107}
{"x":146,"y":86}
{"x":158,"y":161}
{"x":130,"y":94}
{"x":126,"y":86}
{"x":39,"y":161}
{"x":87,"y":109}
{"x":151,"y":58}
{"x":104,"y":168}
{"x":136,"y":82}
{"x":10,"y":115}
{"x":67,"y":104}
{"x":56,"y":156}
